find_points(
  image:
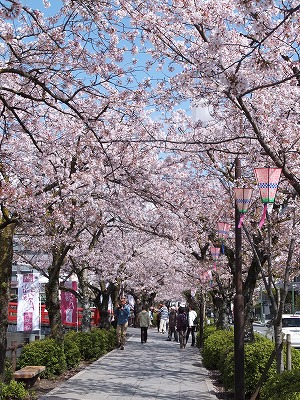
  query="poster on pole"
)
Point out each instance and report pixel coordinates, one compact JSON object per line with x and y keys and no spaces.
{"x":68,"y":304}
{"x":28,"y":314}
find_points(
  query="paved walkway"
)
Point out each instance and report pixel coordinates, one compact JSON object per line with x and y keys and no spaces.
{"x":158,"y":369}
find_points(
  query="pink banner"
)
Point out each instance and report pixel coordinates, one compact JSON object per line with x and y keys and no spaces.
{"x":28,"y":314}
{"x":242,"y":217}
{"x":263,"y":217}
{"x":68,"y":305}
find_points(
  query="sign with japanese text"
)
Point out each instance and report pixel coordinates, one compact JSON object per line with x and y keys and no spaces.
{"x":68,"y":303}
{"x":28,"y":314}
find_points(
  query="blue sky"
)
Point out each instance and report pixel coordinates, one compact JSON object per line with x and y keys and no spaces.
{"x":140,"y":74}
{"x":39,"y":4}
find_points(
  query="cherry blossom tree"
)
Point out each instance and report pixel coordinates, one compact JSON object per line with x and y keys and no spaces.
{"x":97,"y":180}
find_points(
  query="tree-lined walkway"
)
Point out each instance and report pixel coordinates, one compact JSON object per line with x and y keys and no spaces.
{"x":158,"y":369}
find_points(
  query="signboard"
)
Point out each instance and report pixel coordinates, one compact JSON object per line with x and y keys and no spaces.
{"x":28,"y":315}
{"x":68,"y":305}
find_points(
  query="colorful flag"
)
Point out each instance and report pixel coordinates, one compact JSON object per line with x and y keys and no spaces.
{"x":68,"y":304}
{"x":28,"y":314}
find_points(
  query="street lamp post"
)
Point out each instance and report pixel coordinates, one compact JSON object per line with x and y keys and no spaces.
{"x":239,"y":352}
{"x":293,"y":299}
{"x":242,"y":197}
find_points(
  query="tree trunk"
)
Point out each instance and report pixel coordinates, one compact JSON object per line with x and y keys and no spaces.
{"x":6,"y":257}
{"x":201,"y":318}
{"x":52,"y":292}
{"x":222,"y":309}
{"x":278,"y":347}
{"x":85,"y":301}
{"x":106,"y":293}
{"x":248,"y":291}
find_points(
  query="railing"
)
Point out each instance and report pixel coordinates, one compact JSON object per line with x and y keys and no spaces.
{"x":44,"y":318}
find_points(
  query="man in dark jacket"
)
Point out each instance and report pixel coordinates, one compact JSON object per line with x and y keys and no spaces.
{"x":182,"y":324}
{"x":172,"y":325}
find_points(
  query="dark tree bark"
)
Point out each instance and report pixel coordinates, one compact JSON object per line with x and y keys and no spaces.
{"x":6,"y":257}
{"x":249,"y":286}
{"x":101,"y":300}
{"x":52,"y":292}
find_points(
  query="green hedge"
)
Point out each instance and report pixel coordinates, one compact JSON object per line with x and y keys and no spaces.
{"x":13,"y":391}
{"x":94,"y":344}
{"x":257,"y":355}
{"x":44,"y":352}
{"x":285,"y":386}
{"x":216,"y":347}
{"x":78,"y":346}
{"x":218,"y":353}
{"x":71,"y":349}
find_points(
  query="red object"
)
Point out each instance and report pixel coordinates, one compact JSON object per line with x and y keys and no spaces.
{"x":68,"y":304}
{"x":44,"y":319}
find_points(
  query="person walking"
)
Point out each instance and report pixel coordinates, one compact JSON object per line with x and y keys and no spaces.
{"x":164,"y":317}
{"x":122,"y":313}
{"x":158,"y":318}
{"x":172,"y":325}
{"x":144,"y":322}
{"x":192,"y":318}
{"x":151,"y":310}
{"x":182,"y":324}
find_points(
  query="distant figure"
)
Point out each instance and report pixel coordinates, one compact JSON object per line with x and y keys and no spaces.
{"x":182,"y":324}
{"x":151,"y":316}
{"x":144,"y":322}
{"x":192,"y":325}
{"x":172,"y":325}
{"x":164,"y":317}
{"x":122,"y":313}
{"x":158,"y":318}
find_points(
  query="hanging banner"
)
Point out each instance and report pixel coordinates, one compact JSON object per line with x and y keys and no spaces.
{"x":28,"y":314}
{"x":68,"y":304}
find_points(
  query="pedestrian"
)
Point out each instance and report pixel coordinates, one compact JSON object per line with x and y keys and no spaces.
{"x":144,"y":322}
{"x":122,"y":313}
{"x":158,"y":318}
{"x":164,"y":318}
{"x":182,"y":324}
{"x":192,"y":318}
{"x":172,"y":324}
{"x":151,"y":316}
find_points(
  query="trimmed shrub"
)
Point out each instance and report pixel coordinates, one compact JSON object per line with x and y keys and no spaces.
{"x":13,"y":391}
{"x":94,"y":344}
{"x":8,"y":371}
{"x":100,"y":340}
{"x":207,"y":331}
{"x":44,"y":352}
{"x":85,"y":343}
{"x":216,"y":347}
{"x":71,"y":349}
{"x":112,"y":339}
{"x":257,"y":355}
{"x":295,"y":358}
{"x":285,"y":386}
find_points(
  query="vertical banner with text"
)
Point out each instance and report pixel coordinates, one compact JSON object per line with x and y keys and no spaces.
{"x":68,"y":304}
{"x":28,"y":315}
